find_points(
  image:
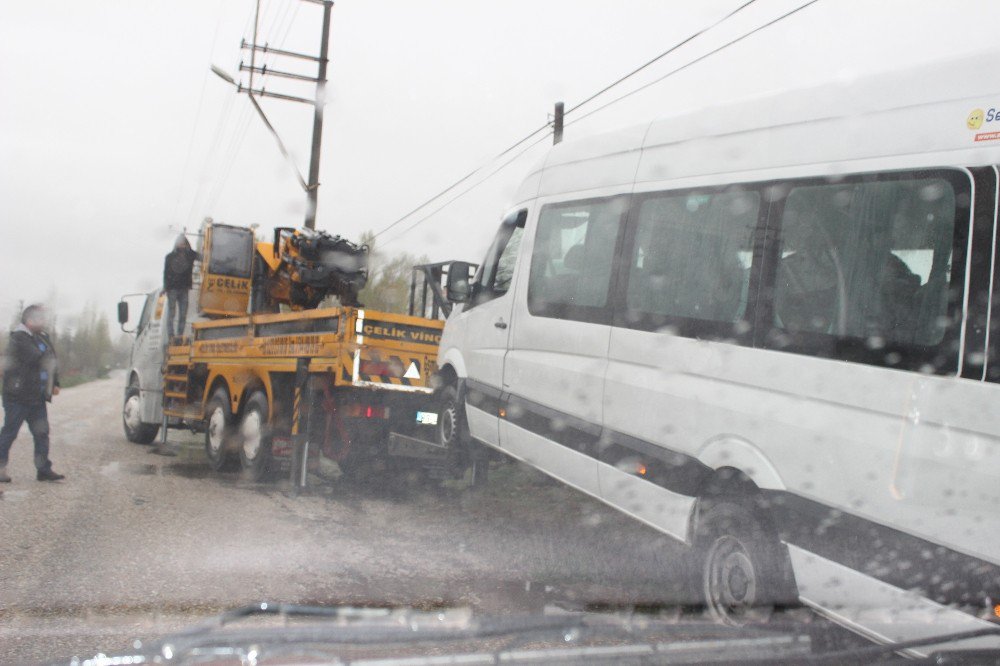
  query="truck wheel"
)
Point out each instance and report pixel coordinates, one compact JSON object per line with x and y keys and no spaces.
{"x":453,"y":433}
{"x":219,"y":432}
{"x":136,"y":431}
{"x":255,"y":438}
{"x":745,"y":570}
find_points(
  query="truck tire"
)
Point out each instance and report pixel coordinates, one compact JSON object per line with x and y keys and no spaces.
{"x":255,"y":438}
{"x":453,"y":433}
{"x":136,"y":431}
{"x":745,"y":571}
{"x":219,"y":432}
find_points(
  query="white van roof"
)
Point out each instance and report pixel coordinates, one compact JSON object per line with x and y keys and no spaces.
{"x":908,"y":118}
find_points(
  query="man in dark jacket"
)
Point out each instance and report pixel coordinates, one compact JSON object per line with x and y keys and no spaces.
{"x":30,"y":379}
{"x":177,"y":268}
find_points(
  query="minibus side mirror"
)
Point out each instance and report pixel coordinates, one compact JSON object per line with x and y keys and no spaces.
{"x":458,"y":282}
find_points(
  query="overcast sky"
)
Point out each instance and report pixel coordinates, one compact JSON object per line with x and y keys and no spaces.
{"x":114,"y":136}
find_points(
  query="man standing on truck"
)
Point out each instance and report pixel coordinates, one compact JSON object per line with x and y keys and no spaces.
{"x":30,"y":380}
{"x":177,"y":269}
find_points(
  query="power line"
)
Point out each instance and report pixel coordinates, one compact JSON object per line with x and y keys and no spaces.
{"x":466,"y":190}
{"x":696,"y":60}
{"x":203,"y":192}
{"x":197,"y":119}
{"x":574,"y":108}
{"x":224,"y":114}
{"x":219,"y":159}
{"x":280,"y":14}
{"x":673,"y":48}
{"x":463,"y":178}
{"x":291,"y":22}
{"x":229,"y":162}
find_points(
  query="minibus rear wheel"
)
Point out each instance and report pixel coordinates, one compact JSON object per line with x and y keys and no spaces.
{"x":745,"y":570}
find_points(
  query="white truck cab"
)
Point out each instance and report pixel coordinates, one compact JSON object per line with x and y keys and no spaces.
{"x":142,"y":411}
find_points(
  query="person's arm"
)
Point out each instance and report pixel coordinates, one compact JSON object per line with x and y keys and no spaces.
{"x":55,"y":365}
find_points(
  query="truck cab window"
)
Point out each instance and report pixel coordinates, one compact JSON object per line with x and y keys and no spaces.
{"x":232,"y":250}
{"x":497,"y":271}
{"x":147,"y":312}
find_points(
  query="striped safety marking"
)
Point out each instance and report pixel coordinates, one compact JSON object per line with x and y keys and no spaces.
{"x":350,"y":370}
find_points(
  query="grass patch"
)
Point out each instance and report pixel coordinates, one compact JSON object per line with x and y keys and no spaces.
{"x":76,"y":378}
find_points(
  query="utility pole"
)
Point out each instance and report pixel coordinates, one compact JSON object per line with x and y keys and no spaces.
{"x":557,"y":123}
{"x":310,"y":185}
{"x":313,"y":192}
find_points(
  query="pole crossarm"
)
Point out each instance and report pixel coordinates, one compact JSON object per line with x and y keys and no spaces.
{"x":310,"y":184}
{"x":274,"y":72}
{"x":260,"y":92}
{"x":264,"y":48}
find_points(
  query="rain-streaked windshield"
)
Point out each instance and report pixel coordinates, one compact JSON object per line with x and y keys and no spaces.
{"x":499,"y":331}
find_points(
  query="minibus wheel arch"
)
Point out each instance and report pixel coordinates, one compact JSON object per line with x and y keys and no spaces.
{"x":732,"y":524}
{"x":447,"y":376}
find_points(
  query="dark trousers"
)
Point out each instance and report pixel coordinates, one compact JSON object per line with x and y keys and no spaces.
{"x":177,"y":300}
{"x":15,"y":414}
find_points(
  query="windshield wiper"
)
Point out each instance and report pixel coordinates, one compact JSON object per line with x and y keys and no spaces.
{"x":565,"y":634}
{"x":400,"y":626}
{"x":864,"y":654}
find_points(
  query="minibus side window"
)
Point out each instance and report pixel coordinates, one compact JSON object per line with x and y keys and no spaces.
{"x":573,"y":259}
{"x":497,"y":271}
{"x":691,"y":258}
{"x":867,"y":260}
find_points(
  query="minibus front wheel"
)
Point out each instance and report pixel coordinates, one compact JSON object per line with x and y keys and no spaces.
{"x":453,"y":435}
{"x":745,"y":570}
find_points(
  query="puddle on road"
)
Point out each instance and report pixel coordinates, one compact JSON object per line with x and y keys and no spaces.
{"x":183,"y":470}
{"x":187,"y":470}
{"x":198,"y":470}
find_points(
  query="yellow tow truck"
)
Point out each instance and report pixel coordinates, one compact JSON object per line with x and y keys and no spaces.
{"x":267,"y":373}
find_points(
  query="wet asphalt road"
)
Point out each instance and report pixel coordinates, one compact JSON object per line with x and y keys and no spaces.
{"x":134,"y":544}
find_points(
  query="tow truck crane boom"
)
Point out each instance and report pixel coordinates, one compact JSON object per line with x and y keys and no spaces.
{"x":301,"y":267}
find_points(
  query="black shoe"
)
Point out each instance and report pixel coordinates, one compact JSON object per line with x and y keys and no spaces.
{"x":49,"y":475}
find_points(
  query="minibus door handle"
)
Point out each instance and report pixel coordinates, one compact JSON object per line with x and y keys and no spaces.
{"x":500,"y":323}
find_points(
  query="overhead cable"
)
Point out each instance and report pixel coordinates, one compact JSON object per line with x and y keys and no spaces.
{"x":689,"y":64}
{"x":466,"y":190}
{"x":673,"y":48}
{"x":463,"y":179}
{"x":574,"y":108}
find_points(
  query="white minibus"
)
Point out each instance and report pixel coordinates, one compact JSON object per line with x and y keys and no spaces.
{"x":767,"y":331}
